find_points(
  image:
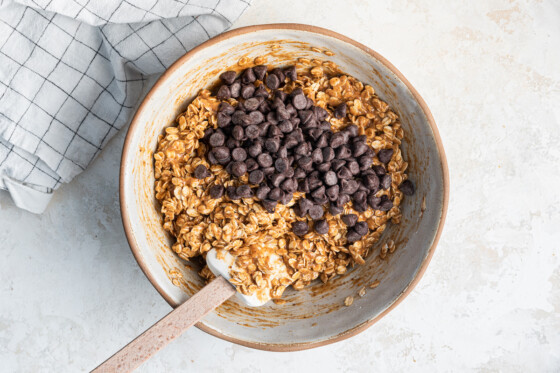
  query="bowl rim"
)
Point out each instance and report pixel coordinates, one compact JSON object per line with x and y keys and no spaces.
{"x":297,"y":27}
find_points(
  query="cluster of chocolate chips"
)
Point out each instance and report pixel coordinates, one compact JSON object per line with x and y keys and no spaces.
{"x":285,"y":144}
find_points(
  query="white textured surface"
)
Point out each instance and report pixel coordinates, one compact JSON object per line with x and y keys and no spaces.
{"x":71,"y":293}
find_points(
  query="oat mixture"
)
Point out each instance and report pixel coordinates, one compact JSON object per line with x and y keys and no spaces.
{"x":243,"y":224}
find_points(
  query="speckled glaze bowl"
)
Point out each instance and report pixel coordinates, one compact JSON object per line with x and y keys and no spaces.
{"x":316,"y":315}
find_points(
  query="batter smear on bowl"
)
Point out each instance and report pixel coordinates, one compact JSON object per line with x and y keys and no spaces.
{"x":292,"y":170}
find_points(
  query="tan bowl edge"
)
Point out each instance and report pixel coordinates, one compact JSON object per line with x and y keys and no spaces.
{"x":302,"y":27}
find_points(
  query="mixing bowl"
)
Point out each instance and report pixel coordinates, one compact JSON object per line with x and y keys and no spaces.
{"x":316,"y":315}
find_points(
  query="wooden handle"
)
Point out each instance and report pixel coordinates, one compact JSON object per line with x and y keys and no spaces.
{"x":170,"y":327}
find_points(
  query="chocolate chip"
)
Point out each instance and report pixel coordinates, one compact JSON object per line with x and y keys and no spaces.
{"x":314,"y":182}
{"x":268,"y":170}
{"x":303,"y":186}
{"x":373,"y":201}
{"x":262,"y":92}
{"x":321,"y":226}
{"x":379,"y":170}
{"x":231,"y":192}
{"x":269,"y":205}
{"x":290,"y":142}
{"x":316,"y":212}
{"x":228,"y":76}
{"x":217,"y":139}
{"x":276,"y":179}
{"x":282,"y":152}
{"x":226,"y":108}
{"x":216,"y":191}
{"x":238,"y":116}
{"x":262,"y":191}
{"x":233,"y":143}
{"x":300,"y":228}
{"x":340,"y":111}
{"x":332,"y":192}
{"x":272,"y":145}
{"x":238,"y":133}
{"x":291,"y":73}
{"x":239,"y":168}
{"x":330,"y":178}
{"x":335,"y":210}
{"x":281,"y":164}
{"x":252,"y":131}
{"x":235,"y":89}
{"x":343,"y":152}
{"x":248,"y":76}
{"x":244,"y":191}
{"x":320,"y":113}
{"x":299,"y":101}
{"x":260,"y":71}
{"x":211,"y":158}
{"x":305,"y":116}
{"x":305,"y":204}
{"x":317,"y":156}
{"x":386,"y":205}
{"x":348,"y":186}
{"x":407,"y":187}
{"x":337,"y":164}
{"x":337,"y":140}
{"x":349,"y":219}
{"x":328,"y":154}
{"x":289,"y":185}
{"x":286,"y":126}
{"x":353,"y":236}
{"x":324,"y":167}
{"x":359,"y":148}
{"x":361,"y":138}
{"x":365,"y":162}
{"x":221,"y":153}
{"x":344,"y":173}
{"x":371,"y":182}
{"x":201,"y":172}
{"x":302,"y":149}
{"x":385,"y":155}
{"x":359,"y":207}
{"x":271,"y":117}
{"x":281,"y":95}
{"x":322,"y":141}
{"x":251,"y":104}
{"x":319,"y":193}
{"x":292,"y":110}
{"x":223,"y":93}
{"x":353,"y":167}
{"x":274,"y":131}
{"x":361,"y":228}
{"x":282,"y":113}
{"x":223,"y":120}
{"x":386,"y":181}
{"x":272,"y":81}
{"x":305,"y":163}
{"x":256,"y":177}
{"x":255,"y":149}
{"x":276,"y":194}
{"x":299,"y":173}
{"x":239,"y":154}
{"x":286,"y":198}
{"x":352,"y":130}
{"x":254,"y":117}
{"x":247,"y":91}
{"x":279,"y":73}
{"x":252,"y":164}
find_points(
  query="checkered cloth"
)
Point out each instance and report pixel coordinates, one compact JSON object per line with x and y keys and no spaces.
{"x":72,"y":73}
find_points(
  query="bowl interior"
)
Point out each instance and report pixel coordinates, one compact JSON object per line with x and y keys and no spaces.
{"x":316,"y":314}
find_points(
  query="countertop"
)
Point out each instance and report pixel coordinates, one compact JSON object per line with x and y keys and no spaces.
{"x":71,"y":293}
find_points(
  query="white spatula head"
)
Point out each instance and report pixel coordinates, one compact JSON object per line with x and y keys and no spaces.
{"x":221,"y":263}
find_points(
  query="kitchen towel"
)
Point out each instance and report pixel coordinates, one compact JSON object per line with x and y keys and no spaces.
{"x":72,"y":73}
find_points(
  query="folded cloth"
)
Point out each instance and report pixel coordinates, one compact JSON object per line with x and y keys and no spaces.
{"x":72,"y":73}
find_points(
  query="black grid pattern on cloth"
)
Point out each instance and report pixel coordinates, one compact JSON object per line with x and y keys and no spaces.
{"x":70,"y":82}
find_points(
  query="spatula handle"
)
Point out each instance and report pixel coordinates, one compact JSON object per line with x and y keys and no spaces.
{"x":170,"y":327}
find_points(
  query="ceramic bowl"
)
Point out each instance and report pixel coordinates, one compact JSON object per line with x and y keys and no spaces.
{"x":316,"y":315}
